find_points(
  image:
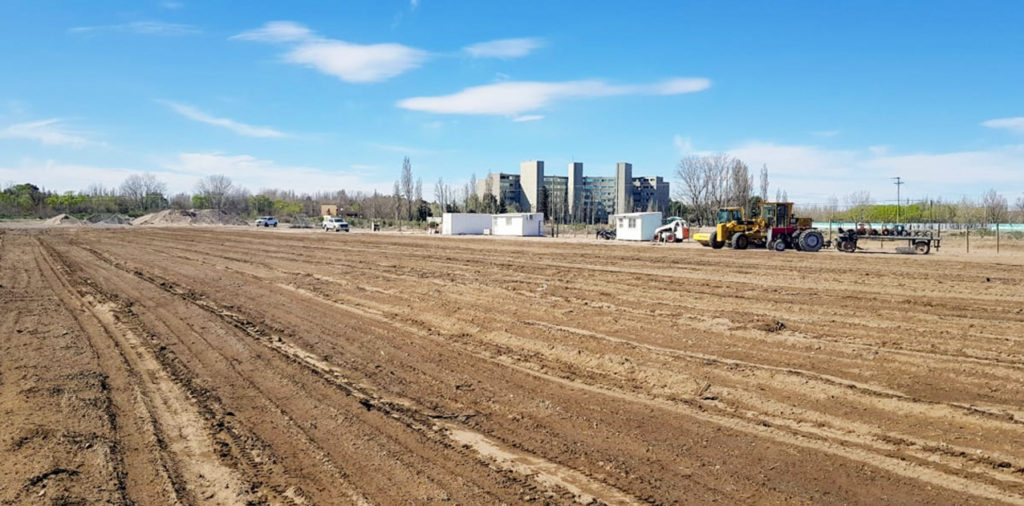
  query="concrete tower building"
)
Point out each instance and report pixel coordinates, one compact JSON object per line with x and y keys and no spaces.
{"x":623,"y":187}
{"x":531,"y":179}
{"x":574,"y":194}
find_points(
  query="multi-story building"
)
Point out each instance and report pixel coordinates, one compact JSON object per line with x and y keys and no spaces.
{"x":576,"y":197}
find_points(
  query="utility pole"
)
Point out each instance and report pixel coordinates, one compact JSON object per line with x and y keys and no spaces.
{"x":899,"y":182}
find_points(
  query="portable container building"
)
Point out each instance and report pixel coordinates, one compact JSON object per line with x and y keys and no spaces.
{"x":465,"y":223}
{"x":636,"y":226}
{"x":518,"y":224}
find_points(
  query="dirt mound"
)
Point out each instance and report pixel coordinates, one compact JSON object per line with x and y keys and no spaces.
{"x":109,"y":219}
{"x":63,"y":219}
{"x":190,"y":217}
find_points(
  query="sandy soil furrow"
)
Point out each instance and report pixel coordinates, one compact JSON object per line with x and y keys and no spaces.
{"x":389,"y":315}
{"x":384,"y":368}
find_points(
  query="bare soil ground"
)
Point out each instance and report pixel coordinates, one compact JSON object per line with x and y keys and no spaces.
{"x":224,"y":366}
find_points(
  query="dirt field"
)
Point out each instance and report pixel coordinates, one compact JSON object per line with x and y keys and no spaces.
{"x":224,"y":365}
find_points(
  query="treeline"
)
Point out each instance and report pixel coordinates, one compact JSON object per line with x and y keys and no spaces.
{"x":143,"y":193}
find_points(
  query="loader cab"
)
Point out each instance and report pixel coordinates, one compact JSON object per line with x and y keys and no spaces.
{"x":728,"y":214}
{"x":776,"y":214}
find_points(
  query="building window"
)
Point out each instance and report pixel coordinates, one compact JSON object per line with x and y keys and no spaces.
{"x":632,"y":223}
{"x":508,"y":221}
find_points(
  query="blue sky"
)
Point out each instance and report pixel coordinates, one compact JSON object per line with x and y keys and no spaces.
{"x":835,"y":97}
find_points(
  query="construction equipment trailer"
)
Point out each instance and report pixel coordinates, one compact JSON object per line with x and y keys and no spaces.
{"x":920,"y":243}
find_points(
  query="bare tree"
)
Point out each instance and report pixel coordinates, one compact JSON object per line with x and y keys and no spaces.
{"x":707,"y":184}
{"x":440,"y":194}
{"x":741,"y":185}
{"x":995,"y":207}
{"x":764,"y":182}
{"x":417,"y":195}
{"x":396,"y":202}
{"x":832,"y":207}
{"x":1018,"y":205}
{"x":407,"y":186}
{"x":215,"y":190}
{"x":781,"y":196}
{"x":142,"y":191}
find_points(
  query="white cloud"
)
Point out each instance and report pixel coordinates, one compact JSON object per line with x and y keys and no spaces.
{"x":504,"y":48}
{"x":354,"y":63}
{"x":277,"y":31}
{"x":235,"y":126}
{"x":811,"y":173}
{"x":1011,"y":124}
{"x":512,"y":98}
{"x":50,"y":131}
{"x":256,"y":173}
{"x":528,"y":117}
{"x":405,"y":150}
{"x":140,"y":28}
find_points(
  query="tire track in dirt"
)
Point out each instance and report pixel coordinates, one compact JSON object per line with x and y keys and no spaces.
{"x":433,"y":424}
{"x":165,"y":418}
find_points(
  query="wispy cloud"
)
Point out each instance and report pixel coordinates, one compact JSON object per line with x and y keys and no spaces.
{"x":1012,"y":124}
{"x":512,"y":98}
{"x":139,"y":28}
{"x":504,"y":48}
{"x":354,"y":63}
{"x":183,"y":171}
{"x":683,"y":145}
{"x":413,"y":4}
{"x":277,"y":31}
{"x":239,"y":128}
{"x":528,"y":117}
{"x":172,"y":5}
{"x":49,"y":131}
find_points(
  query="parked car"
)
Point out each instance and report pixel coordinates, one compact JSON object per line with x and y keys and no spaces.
{"x":266,"y":221}
{"x":335,"y":223}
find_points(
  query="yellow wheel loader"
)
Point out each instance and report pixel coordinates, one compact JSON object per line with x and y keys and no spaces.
{"x":775,"y":228}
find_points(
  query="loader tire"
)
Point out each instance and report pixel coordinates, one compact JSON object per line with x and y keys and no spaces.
{"x":715,"y":243}
{"x":740,"y":241}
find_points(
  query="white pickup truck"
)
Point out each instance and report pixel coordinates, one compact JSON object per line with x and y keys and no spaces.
{"x":335,"y":223}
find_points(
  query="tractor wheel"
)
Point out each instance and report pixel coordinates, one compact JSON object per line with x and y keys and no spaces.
{"x":811,"y":240}
{"x":777,"y":245}
{"x":669,"y":237}
{"x":740,"y":241}
{"x":846,"y":246}
{"x":715,"y":243}
{"x":922,"y":247}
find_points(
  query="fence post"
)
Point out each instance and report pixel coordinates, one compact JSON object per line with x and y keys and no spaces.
{"x":997,"y":238}
{"x":968,"y":240}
